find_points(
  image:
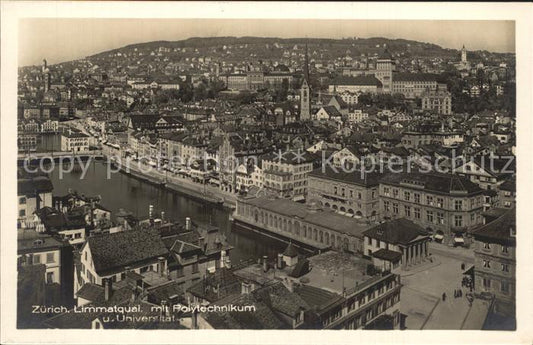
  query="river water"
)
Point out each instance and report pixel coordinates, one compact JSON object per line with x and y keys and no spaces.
{"x":134,"y":195}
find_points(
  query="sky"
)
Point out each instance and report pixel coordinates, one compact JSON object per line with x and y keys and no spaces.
{"x":60,"y":40}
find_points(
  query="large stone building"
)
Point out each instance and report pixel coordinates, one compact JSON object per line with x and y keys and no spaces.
{"x":369,"y":84}
{"x":285,"y":173}
{"x":314,"y":226}
{"x":441,"y":203}
{"x":353,"y":194}
{"x":437,"y":100}
{"x":413,"y":85}
{"x":395,"y":242}
{"x":74,"y":142}
{"x":495,"y":261}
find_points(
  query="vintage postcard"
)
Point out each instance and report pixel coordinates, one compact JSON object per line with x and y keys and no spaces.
{"x":180,"y":172}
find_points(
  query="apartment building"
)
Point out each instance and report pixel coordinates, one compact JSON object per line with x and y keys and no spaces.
{"x":443,"y":203}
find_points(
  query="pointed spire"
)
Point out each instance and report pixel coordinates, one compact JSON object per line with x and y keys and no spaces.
{"x":306,"y":66}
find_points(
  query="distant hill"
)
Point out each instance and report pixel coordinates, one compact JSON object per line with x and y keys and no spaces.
{"x":365,"y":45}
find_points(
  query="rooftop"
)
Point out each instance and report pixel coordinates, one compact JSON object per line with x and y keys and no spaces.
{"x":322,"y":217}
{"x":396,"y":231}
{"x":112,"y":252}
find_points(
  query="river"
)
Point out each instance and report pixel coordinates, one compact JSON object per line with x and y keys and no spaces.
{"x":131,"y":194}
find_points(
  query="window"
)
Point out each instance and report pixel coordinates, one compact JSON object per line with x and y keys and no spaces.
{"x":335,"y":190}
{"x":505,"y":249}
{"x":22,"y":213}
{"x":408,"y":211}
{"x":50,"y":258}
{"x":440,"y":218}
{"x":429,"y":200}
{"x":195,"y":268}
{"x":386,"y":191}
{"x":180,"y":272}
{"x":486,"y":245}
{"x":440,"y":202}
{"x":369,"y":241}
{"x":395,"y":208}
{"x":407,"y":196}
{"x":458,"y":219}
{"x":486,"y":263}
{"x":395,"y":193}
{"x":504,"y":286}
{"x":430,"y":216}
{"x":359,"y":196}
{"x":22,"y":200}
{"x":49,"y":277}
{"x":417,"y":198}
{"x":36,"y":259}
{"x":386,"y":206}
{"x":458,"y":205}
{"x":417,"y":213}
{"x":486,"y":283}
{"x":505,"y":268}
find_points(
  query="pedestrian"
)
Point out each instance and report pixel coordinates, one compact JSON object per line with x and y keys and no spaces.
{"x":444,"y":296}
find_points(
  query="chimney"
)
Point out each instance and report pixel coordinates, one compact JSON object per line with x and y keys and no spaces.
{"x":107,"y":288}
{"x":265,"y":263}
{"x":161,"y":266}
{"x":164,"y":308}
{"x":194,"y":320}
{"x":289,"y":284}
{"x":188,"y":223}
{"x":280,"y":261}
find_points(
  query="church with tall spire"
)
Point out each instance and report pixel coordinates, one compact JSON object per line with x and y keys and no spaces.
{"x":305,"y":96}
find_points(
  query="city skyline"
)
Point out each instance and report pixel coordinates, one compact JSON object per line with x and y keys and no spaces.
{"x":66,"y":39}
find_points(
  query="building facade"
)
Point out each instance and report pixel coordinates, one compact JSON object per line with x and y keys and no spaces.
{"x":495,"y":261}
{"x":437,"y":100}
{"x":441,"y":203}
{"x":349,"y":194}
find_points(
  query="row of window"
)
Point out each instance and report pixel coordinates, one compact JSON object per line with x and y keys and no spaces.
{"x":458,"y":205}
{"x":503,"y":249}
{"x":504,"y":285}
{"x":504,"y":267}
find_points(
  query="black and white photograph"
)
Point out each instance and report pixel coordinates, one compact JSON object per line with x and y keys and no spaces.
{"x":242,"y":173}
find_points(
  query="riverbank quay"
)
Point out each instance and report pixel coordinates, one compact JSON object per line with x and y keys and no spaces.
{"x":168,"y":180}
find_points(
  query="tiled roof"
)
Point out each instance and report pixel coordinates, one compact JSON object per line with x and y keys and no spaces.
{"x":498,"y":230}
{"x":396,"y":231}
{"x":112,"y":252}
{"x":216,"y":286}
{"x":290,"y":251}
{"x":434,"y":182}
{"x":262,"y":318}
{"x":279,"y":298}
{"x":90,"y":291}
{"x":359,"y":80}
{"x":290,"y":157}
{"x":355,"y":177}
{"x":316,"y":297}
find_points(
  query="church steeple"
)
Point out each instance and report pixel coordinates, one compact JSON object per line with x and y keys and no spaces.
{"x":305,"y":101}
{"x":306,"y":65}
